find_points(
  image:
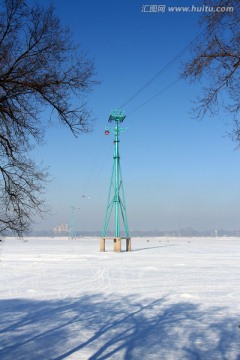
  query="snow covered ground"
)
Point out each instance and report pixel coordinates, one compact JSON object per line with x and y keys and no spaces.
{"x":168,"y":299}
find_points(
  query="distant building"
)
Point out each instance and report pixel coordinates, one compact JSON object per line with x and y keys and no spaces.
{"x":61,"y":229}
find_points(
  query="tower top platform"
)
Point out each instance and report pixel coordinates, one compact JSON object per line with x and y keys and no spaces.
{"x":117,"y":115}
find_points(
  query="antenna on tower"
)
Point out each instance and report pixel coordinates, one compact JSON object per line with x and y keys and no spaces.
{"x":116,"y":197}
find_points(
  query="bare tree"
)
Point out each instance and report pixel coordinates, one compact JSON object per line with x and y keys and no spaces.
{"x":216,"y":58}
{"x":39,"y":68}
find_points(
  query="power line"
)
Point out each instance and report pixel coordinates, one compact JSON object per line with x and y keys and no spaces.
{"x":94,"y":165}
{"x":159,"y":73}
{"x":154,"y":96}
{"x":99,"y":168}
{"x":91,"y":178}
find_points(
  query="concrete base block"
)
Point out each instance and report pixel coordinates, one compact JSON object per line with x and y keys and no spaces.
{"x":117,"y":243}
{"x":128,"y":244}
{"x":102,"y":244}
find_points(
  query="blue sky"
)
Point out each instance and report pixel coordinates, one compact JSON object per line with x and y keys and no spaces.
{"x":177,"y":171}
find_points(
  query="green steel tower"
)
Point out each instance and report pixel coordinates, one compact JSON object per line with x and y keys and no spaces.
{"x":72,"y":234}
{"x":116,"y":198}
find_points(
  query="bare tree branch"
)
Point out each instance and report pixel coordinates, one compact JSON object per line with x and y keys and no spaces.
{"x":40,"y":68}
{"x":217,"y":59}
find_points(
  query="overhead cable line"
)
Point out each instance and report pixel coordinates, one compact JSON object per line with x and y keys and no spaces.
{"x":99,"y":168}
{"x":102,"y":145}
{"x":154,"y":96}
{"x":182,"y":52}
{"x":96,"y":162}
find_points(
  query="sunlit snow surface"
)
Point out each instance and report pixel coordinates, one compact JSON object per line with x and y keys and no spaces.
{"x":175,"y":298}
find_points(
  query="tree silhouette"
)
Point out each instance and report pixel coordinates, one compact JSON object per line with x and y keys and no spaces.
{"x":217,"y":58}
{"x":40,"y":68}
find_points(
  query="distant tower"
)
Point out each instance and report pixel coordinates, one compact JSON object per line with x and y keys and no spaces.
{"x":116,"y":197}
{"x":72,"y":233}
